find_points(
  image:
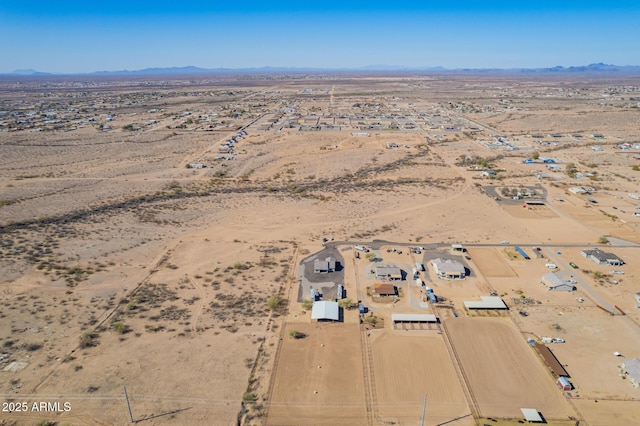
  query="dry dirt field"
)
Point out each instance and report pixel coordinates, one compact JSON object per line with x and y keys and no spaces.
{"x":502,"y":371}
{"x":407,"y":365}
{"x":319,"y":378}
{"x":122,"y":265}
{"x":491,"y":262}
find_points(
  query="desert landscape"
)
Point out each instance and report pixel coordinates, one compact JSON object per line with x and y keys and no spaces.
{"x":301,"y":249}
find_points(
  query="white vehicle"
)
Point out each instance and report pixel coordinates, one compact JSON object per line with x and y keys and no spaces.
{"x":504,"y":242}
{"x":546,"y":340}
{"x":362,"y":248}
{"x":617,"y":272}
{"x":617,"y":354}
{"x":551,"y":266}
{"x":557,"y":340}
{"x":580,"y":299}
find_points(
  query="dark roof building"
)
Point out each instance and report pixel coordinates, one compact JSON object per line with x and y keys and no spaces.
{"x":551,"y":361}
{"x":388,"y":272}
{"x":324,"y":266}
{"x":602,"y":257}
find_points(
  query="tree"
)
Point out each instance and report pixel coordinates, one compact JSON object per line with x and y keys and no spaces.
{"x":535,"y":155}
{"x":346,"y":303}
{"x":295,"y":334}
{"x":603,"y":240}
{"x":371,"y":256}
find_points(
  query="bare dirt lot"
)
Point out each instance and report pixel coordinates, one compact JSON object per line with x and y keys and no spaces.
{"x":407,"y":365}
{"x":503,"y":372}
{"x":319,"y":378}
{"x":491,"y":262}
{"x":151,"y":229}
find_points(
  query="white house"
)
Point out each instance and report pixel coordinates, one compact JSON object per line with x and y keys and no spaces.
{"x":448,"y":269}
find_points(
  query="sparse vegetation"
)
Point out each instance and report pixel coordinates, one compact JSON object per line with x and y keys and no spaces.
{"x":346,"y":303}
{"x":248,"y":397}
{"x":88,"y":339}
{"x":120,"y":327}
{"x":275,"y":302}
{"x":295,"y":334}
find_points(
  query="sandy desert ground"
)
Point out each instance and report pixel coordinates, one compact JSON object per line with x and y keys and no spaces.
{"x":122,"y":265}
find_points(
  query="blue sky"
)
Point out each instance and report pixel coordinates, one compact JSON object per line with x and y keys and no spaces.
{"x":83,"y":36}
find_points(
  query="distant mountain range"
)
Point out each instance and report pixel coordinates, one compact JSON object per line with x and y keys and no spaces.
{"x":598,"y":68}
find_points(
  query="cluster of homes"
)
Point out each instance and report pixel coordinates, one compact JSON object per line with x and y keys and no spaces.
{"x":556,"y":282}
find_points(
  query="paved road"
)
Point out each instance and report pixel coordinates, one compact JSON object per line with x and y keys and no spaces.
{"x":376,"y":244}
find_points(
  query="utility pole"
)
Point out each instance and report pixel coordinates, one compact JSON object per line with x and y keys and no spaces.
{"x":129,"y":405}
{"x":424,"y":408}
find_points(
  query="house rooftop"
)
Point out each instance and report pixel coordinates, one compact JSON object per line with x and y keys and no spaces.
{"x":384,"y":289}
{"x":632,"y":368}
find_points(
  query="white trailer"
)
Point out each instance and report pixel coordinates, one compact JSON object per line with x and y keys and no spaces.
{"x":419,"y":282}
{"x":362,"y":248}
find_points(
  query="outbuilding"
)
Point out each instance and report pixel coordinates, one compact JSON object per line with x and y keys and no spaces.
{"x":488,"y":302}
{"x":631,"y":370}
{"x":325,"y":311}
{"x":414,"y":318}
{"x":563,"y":384}
{"x":532,"y":415}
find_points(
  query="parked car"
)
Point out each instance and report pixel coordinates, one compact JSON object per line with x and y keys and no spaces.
{"x":573,"y":265}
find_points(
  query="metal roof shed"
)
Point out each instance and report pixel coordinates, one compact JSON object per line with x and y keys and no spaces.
{"x":325,"y":310}
{"x":532,"y":415}
{"x":488,"y":302}
{"x":414,"y":318}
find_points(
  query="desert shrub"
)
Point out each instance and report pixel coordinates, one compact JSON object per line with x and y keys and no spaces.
{"x":603,"y":240}
{"x":240,"y":266}
{"x":32,"y":347}
{"x":346,"y":303}
{"x":248,"y":397}
{"x":307,"y":303}
{"x":88,"y":339}
{"x":275,"y":302}
{"x":120,"y":327}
